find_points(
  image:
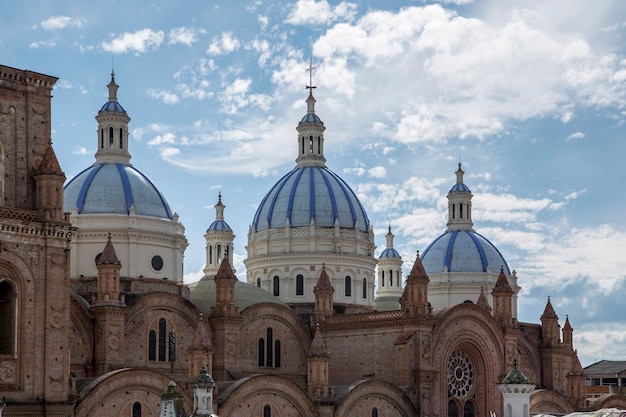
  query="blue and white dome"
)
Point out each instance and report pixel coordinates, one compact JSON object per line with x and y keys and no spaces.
{"x":310,"y":193}
{"x":389,"y":253}
{"x":114,"y":189}
{"x":219,"y":226}
{"x":462,"y":251}
{"x":112,"y":106}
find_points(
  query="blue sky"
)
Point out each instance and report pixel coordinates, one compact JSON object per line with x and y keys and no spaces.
{"x":530,"y":95}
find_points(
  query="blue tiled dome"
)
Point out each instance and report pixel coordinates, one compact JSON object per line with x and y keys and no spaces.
{"x":219,"y":226}
{"x":462,"y":251}
{"x":112,"y":106}
{"x":389,"y":253}
{"x":311,"y":192}
{"x":311,"y":118}
{"x":114,"y":189}
{"x":460,"y":188}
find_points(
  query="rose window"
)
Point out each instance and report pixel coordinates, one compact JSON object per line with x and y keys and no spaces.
{"x":460,"y":374}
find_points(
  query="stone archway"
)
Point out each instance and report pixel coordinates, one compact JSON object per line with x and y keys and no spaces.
{"x":374,"y":398}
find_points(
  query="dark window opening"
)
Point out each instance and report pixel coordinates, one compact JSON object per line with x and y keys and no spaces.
{"x":382,"y":276}
{"x":269,"y":350}
{"x":277,"y":353}
{"x":299,"y":284}
{"x":261,"y":352}
{"x":110,"y":136}
{"x":390,"y":278}
{"x":210,"y":255}
{"x":453,"y":211}
{"x":102,"y":138}
{"x":270,"y":343}
{"x":453,"y":409}
{"x":460,"y":211}
{"x":157,"y":263}
{"x":7,"y":318}
{"x":348,"y":286}
{"x":172,"y":346}
{"x":364,"y":288}
{"x":319,"y":145}
{"x":276,"y":285}
{"x":267,"y":411}
{"x":152,"y":345}
{"x":136,"y":410}
{"x":219,"y":254}
{"x":311,"y":144}
{"x":162,"y":340}
{"x":121,"y":138}
{"x":258,"y":282}
{"x":374,"y":412}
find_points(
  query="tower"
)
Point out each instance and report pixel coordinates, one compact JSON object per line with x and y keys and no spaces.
{"x":219,"y":240}
{"x":516,"y":390}
{"x":502,"y":294}
{"x":323,"y":297}
{"x":389,"y":288}
{"x":414,"y":300}
{"x":317,"y":368}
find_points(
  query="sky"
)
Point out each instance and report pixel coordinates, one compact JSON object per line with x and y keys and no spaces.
{"x":529,"y":95}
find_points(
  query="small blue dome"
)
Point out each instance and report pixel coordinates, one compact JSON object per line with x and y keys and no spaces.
{"x":462,"y":251}
{"x":219,"y":226}
{"x":389,"y":253}
{"x":112,"y":106}
{"x":311,"y":118}
{"x":311,"y":192}
{"x":460,"y":188}
{"x":114,"y":189}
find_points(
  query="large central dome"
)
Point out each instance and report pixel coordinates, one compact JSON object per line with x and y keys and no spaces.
{"x":311,"y":194}
{"x":308,"y":219}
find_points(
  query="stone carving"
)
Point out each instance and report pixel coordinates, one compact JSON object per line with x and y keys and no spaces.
{"x":6,"y":371}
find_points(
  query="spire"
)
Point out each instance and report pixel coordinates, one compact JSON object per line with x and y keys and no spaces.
{"x":219,"y":208}
{"x":49,"y":164}
{"x":108,"y":256}
{"x":549,"y":312}
{"x":414,"y":299}
{"x":482,"y":300}
{"x":200,"y":338}
{"x":389,"y":236}
{"x":502,"y":295}
{"x":323,"y":296}
{"x":310,"y":131}
{"x":172,"y":403}
{"x":323,"y":282}
{"x":502,"y":284}
{"x":112,"y":133}
{"x":459,"y":205}
{"x":318,"y":347}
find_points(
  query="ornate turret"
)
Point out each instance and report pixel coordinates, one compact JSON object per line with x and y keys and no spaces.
{"x":550,"y":329}
{"x":172,"y":404}
{"x":219,"y":240}
{"x":317,"y":368}
{"x":112,"y":129}
{"x":200,"y":350}
{"x":483,"y":301}
{"x":108,"y":266}
{"x":49,"y":178}
{"x":203,"y":387}
{"x":310,"y":132}
{"x":414,"y":300}
{"x":323,"y":296}
{"x":389,"y":273}
{"x":502,"y":294}
{"x":225,"y":280}
{"x":460,"y":205}
{"x":568,"y":333}
{"x":516,"y":390}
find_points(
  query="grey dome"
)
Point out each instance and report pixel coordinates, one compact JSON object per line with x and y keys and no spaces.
{"x":203,"y":295}
{"x":311,"y":192}
{"x":114,"y":189}
{"x":462,"y":251}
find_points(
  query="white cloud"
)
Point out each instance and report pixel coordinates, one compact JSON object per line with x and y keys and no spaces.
{"x":224,"y":44}
{"x":169,"y":152}
{"x":164,"y":96}
{"x":61,"y":22}
{"x":43,"y":44}
{"x":138,"y":42}
{"x":577,"y":135}
{"x":81,"y":150}
{"x":377,"y":172}
{"x":311,"y":12}
{"x":161,"y":139}
{"x":184,"y":35}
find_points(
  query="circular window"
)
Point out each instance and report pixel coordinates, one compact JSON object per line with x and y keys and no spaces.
{"x":157,"y":263}
{"x":460,"y":374}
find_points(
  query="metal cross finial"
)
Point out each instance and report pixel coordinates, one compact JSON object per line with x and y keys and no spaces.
{"x":310,"y":70}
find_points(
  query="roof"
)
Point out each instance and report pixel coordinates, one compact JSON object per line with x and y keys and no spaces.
{"x":107,"y":188}
{"x":203,"y":295}
{"x":112,"y":106}
{"x":605,"y":367}
{"x":219,"y":226}
{"x":389,"y":253}
{"x":311,"y":193}
{"x":462,"y":251}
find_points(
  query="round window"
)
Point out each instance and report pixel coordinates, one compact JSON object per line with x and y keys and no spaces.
{"x":157,"y":263}
{"x":460,"y":374}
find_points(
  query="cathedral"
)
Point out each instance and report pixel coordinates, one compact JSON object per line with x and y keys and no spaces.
{"x":95,"y":319}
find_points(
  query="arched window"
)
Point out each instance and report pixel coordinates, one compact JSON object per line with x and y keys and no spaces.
{"x":110,"y":136}
{"x":102,"y":138}
{"x":8,"y":321}
{"x":453,"y":211}
{"x":469,"y":409}
{"x":269,"y":352}
{"x":267,"y":411}
{"x":453,"y":409}
{"x":311,"y":144}
{"x":121,"y":136}
{"x":374,"y":412}
{"x":364,"y":288}
{"x":391,"y":278}
{"x":136,"y":410}
{"x":210,"y":255}
{"x":319,"y":145}
{"x":299,"y":284}
{"x":277,"y":353}
{"x":382,"y":276}
{"x":302,"y":147}
{"x":348,"y":286}
{"x":162,"y":340}
{"x":460,"y":211}
{"x":276,"y":285}
{"x":218,"y":259}
{"x":258,"y":282}
{"x":270,"y":343}
{"x":397,"y":278}
{"x":152,"y":345}
{"x":261,"y":352}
